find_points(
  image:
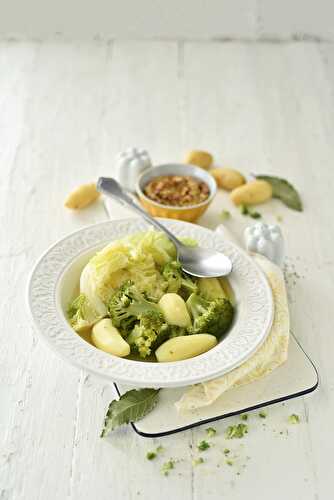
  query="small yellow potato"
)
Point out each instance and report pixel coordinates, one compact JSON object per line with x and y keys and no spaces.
{"x":185,"y":347}
{"x":252,"y":193}
{"x":82,"y":196}
{"x":211,"y":288}
{"x":202,"y":159}
{"x":227,"y":178}
{"x":107,"y":338}
{"x":174,"y":309}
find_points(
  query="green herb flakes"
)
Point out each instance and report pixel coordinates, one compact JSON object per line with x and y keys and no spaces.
{"x":197,"y":461}
{"x":263,"y":414}
{"x":244,"y":416}
{"x":211,"y":432}
{"x":151,"y":455}
{"x":167,"y":467}
{"x":203,"y":445}
{"x":226,"y":451}
{"x":229,"y":462}
{"x":159,"y":449}
{"x":243,"y":209}
{"x":236,"y":431}
{"x":294,"y":419}
{"x":225,"y":215}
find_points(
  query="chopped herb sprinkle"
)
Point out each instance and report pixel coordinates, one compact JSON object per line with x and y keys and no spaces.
{"x":236,"y":431}
{"x":243,"y":209}
{"x":203,"y":445}
{"x":263,"y":414}
{"x":244,"y":416}
{"x":294,"y":419}
{"x":211,"y":431}
{"x":226,"y":451}
{"x":197,"y":461}
{"x":151,"y":455}
{"x":225,"y":214}
{"x":229,"y":462}
{"x":160,"y":449}
{"x":167,"y":467}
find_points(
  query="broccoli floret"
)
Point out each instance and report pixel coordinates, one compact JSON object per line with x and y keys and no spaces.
{"x":177,"y":279}
{"x":127,"y":305}
{"x":210,"y":316}
{"x":81,"y":314}
{"x":176,"y":331}
{"x":210,"y":288}
{"x":146,"y":334}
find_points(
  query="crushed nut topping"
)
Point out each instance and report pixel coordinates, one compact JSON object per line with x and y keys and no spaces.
{"x":177,"y":190}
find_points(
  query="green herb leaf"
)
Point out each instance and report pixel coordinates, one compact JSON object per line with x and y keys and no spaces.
{"x":294,"y":419}
{"x":263,"y":414}
{"x":284,"y":191}
{"x":244,"y":416}
{"x":225,"y":214}
{"x":167,"y":466}
{"x":131,"y":406}
{"x":236,"y":431}
{"x":203,"y":445}
{"x":254,"y":215}
{"x":244,"y":209}
{"x":197,"y":461}
{"x":211,"y":431}
{"x":151,"y":455}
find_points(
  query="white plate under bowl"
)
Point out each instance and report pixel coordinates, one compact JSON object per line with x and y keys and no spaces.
{"x":54,"y":282}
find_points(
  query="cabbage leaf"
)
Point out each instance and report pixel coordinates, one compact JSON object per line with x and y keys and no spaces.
{"x":137,"y":258}
{"x":81,"y":314}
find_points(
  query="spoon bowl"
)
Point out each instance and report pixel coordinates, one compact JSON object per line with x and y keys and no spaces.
{"x":203,"y":263}
{"x":199,"y":262}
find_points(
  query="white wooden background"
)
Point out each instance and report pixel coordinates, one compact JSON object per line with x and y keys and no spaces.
{"x":182,"y":19}
{"x":65,"y":110}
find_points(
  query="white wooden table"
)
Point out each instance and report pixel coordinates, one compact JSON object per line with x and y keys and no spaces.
{"x":65,"y":110}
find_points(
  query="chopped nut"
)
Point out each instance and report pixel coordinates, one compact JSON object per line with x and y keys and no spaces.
{"x":177,"y":190}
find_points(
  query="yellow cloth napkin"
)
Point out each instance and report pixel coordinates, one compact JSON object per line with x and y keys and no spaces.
{"x":272,"y":353}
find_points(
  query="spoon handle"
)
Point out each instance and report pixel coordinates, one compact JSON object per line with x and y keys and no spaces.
{"x":110,"y":187}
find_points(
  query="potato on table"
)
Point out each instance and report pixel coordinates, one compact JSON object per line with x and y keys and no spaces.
{"x":202,"y":159}
{"x":82,"y":196}
{"x":252,"y":193}
{"x":227,"y":178}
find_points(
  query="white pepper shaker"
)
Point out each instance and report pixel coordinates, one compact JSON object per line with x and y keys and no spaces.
{"x":130,"y":164}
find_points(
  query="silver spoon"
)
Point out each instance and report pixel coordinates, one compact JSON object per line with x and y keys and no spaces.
{"x":200,"y":262}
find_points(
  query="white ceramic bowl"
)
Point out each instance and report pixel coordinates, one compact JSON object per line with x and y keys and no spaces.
{"x":54,"y":283}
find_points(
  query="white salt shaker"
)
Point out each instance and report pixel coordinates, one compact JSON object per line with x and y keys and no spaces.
{"x":266,"y":239}
{"x":130,"y":164}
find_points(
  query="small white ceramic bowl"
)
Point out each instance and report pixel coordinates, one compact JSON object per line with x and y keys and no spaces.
{"x":54,"y":283}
